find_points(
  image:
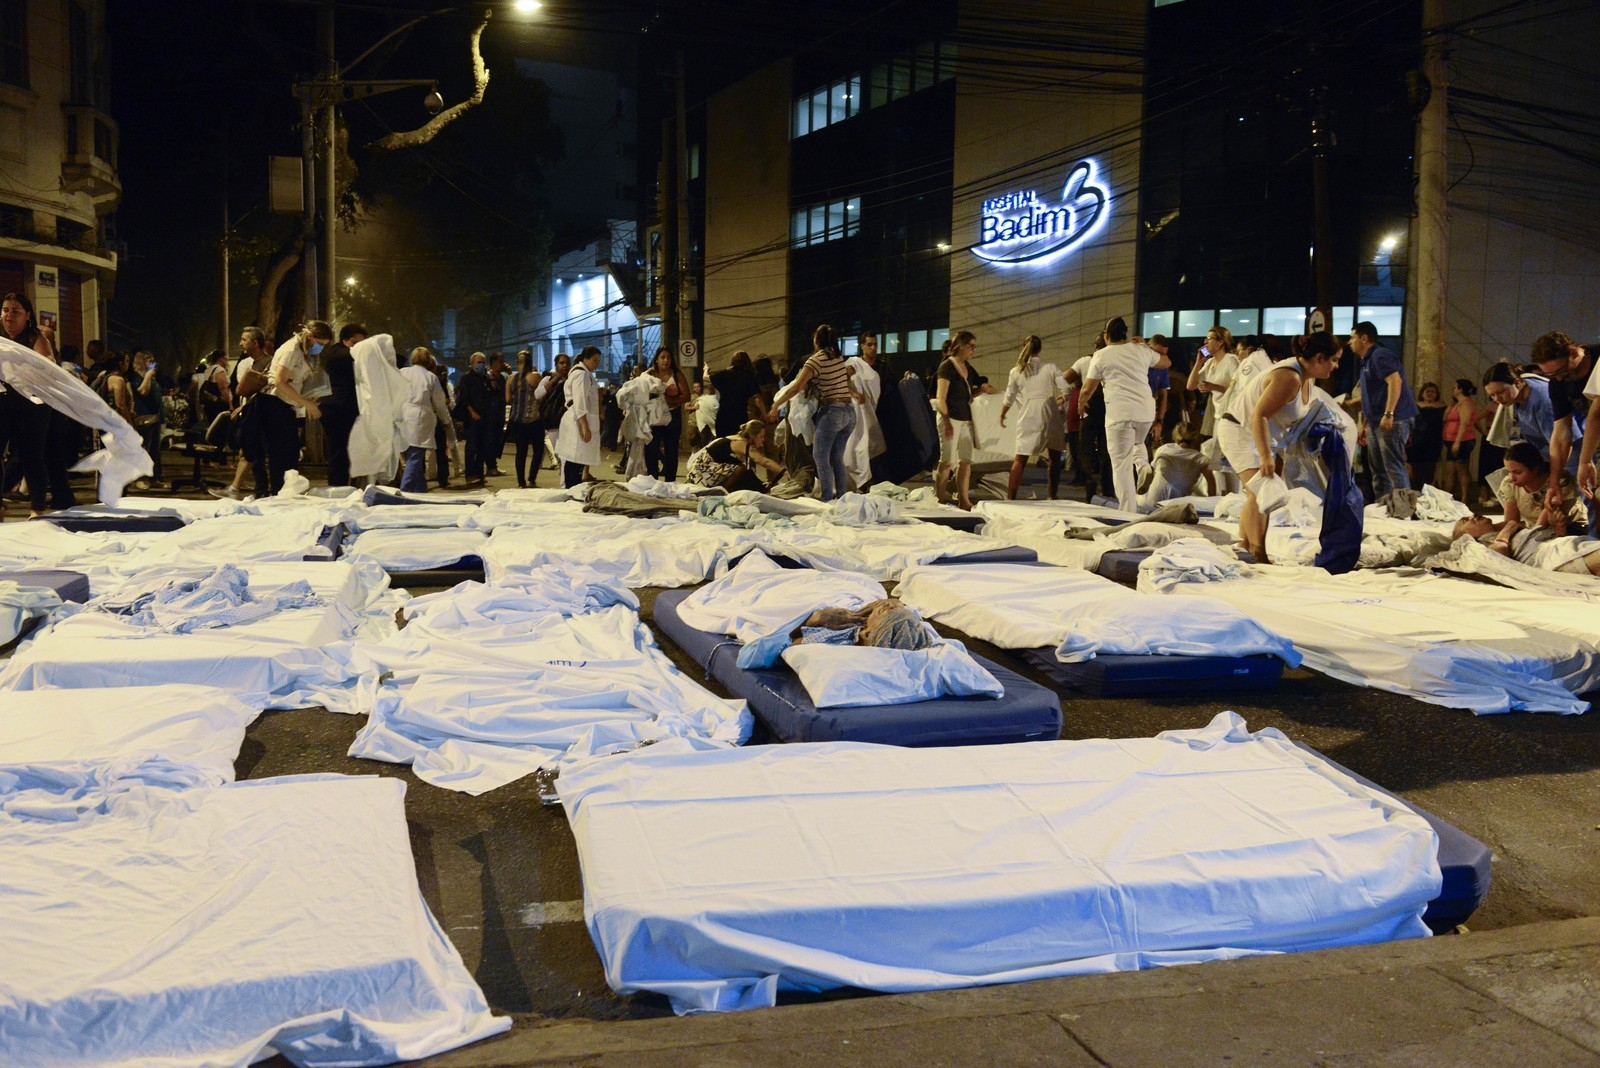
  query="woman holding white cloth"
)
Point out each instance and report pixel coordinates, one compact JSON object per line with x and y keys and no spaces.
{"x":578,"y":442}
{"x":1262,"y":409}
{"x":1036,"y":389}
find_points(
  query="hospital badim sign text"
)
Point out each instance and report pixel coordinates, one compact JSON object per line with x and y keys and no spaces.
{"x":1024,"y":228}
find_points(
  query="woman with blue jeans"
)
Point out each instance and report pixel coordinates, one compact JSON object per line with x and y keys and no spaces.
{"x":836,"y":415}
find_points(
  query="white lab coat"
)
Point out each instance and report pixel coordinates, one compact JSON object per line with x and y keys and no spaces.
{"x":424,"y":409}
{"x":583,"y":398}
{"x":866,"y":437}
{"x":1031,"y":398}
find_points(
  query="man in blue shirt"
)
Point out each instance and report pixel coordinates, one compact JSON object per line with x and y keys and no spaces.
{"x":1388,"y":409}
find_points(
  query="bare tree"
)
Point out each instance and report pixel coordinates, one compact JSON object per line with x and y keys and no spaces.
{"x":430,"y":129}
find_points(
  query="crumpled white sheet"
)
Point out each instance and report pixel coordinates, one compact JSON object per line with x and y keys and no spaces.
{"x":1064,"y":858}
{"x":1081,"y":615}
{"x":293,"y":659}
{"x":655,"y":487}
{"x":215,"y":925}
{"x":66,"y":751}
{"x":432,"y":515}
{"x":19,"y":604}
{"x":122,"y":458}
{"x":101,"y":556}
{"x":1439,"y":639}
{"x":1467,"y":556}
{"x":674,"y":551}
{"x":864,"y":510}
{"x":1190,"y":560}
{"x":883,"y":551}
{"x":287,"y":535}
{"x":757,"y":596}
{"x":472,"y":707}
{"x":377,"y":440}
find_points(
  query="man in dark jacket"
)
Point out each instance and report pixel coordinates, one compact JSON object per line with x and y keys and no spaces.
{"x":474,"y":415}
{"x":339,"y":407}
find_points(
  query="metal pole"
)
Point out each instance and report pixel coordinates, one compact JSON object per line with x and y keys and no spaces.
{"x":227,"y":312}
{"x":684,"y":244}
{"x":1322,"y":252}
{"x":330,"y":176}
{"x":308,"y":204}
{"x":1429,"y":262}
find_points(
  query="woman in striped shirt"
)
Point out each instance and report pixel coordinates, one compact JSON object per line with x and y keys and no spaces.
{"x":835,"y":414}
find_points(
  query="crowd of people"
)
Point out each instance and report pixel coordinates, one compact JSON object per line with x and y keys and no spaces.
{"x":1130,"y":429}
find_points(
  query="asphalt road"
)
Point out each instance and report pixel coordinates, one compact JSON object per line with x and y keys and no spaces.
{"x":501,"y":871}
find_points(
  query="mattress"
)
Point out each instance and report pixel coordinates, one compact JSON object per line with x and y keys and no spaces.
{"x":1123,"y":676}
{"x":68,"y":585}
{"x":105,"y":520}
{"x":217,"y":926}
{"x":418,"y":549}
{"x":814,"y":867}
{"x":1027,"y":712}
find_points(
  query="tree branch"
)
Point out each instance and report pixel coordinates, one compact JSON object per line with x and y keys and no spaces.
{"x":429,"y":130}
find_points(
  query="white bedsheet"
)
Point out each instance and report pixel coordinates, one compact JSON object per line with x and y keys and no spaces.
{"x":284,"y":535}
{"x":101,"y":556}
{"x":293,"y":659}
{"x":205,"y":926}
{"x":77,"y":745}
{"x":383,"y":516}
{"x":1081,"y":615}
{"x":757,"y":596}
{"x":20,"y":603}
{"x":844,"y":864}
{"x":474,"y":708}
{"x":415,"y":549}
{"x":1441,"y":640}
{"x":882,"y":550}
{"x":675,"y":551}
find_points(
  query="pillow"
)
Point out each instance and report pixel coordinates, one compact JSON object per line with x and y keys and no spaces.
{"x":837,"y":676}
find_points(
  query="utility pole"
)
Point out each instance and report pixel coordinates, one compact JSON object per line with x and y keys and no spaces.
{"x":684,"y":244}
{"x":330,"y":176}
{"x":1322,"y":250}
{"x":1431,"y":249}
{"x":308,"y":203}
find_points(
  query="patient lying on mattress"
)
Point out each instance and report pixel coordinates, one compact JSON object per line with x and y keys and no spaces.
{"x":882,"y":624}
{"x":1541,"y":547}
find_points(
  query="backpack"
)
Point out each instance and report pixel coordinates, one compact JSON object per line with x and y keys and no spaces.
{"x":553,"y":404}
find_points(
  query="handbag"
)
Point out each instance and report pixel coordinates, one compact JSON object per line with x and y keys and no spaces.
{"x":251,"y":382}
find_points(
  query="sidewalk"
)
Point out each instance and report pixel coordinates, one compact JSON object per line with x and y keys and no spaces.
{"x":1524,"y":996}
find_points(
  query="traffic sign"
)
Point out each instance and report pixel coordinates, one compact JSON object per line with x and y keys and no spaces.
{"x":689,"y":352}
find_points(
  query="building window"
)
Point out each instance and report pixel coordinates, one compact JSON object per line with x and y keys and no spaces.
{"x":1196,"y":322}
{"x":1285,"y":322}
{"x":931,"y":63}
{"x":1153,"y":323}
{"x":14,"y":42}
{"x":694,"y":162}
{"x":827,"y":105}
{"x":1239,"y":321}
{"x":817,"y":223}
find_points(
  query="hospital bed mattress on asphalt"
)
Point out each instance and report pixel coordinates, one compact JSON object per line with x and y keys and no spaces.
{"x":1027,"y":712}
{"x":330,"y":538}
{"x":1005,"y":554}
{"x":806,"y":868}
{"x":68,"y":585}
{"x":466,"y":569}
{"x":955,"y":520}
{"x":1116,"y":675}
{"x":91,"y":522}
{"x":1122,"y":565}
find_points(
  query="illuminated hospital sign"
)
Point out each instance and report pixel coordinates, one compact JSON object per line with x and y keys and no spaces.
{"x":1025,"y":228}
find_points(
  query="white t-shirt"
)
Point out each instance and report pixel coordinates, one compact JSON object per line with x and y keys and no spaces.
{"x":1124,"y":374}
{"x":291,"y":356}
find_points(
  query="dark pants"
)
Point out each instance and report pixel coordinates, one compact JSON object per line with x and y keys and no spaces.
{"x":27,"y":428}
{"x":571,"y":474}
{"x":280,"y":434}
{"x":661,"y":453}
{"x":152,"y":445}
{"x":480,"y":439}
{"x":337,"y":422}
{"x":528,"y":437}
{"x":495,"y":447}
{"x":441,"y":441}
{"x":1092,"y":449}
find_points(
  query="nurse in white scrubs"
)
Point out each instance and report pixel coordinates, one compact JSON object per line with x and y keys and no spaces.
{"x":578,"y":442}
{"x":1035,"y":388}
{"x":866,"y":437}
{"x":1260,"y":412}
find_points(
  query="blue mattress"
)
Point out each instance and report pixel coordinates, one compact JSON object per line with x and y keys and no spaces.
{"x":1122,"y":565}
{"x":1027,"y":712}
{"x":966,"y":521}
{"x":93,"y":522}
{"x":1464,"y":861}
{"x":333,"y":538}
{"x":1122,"y":676}
{"x":1006,"y":554}
{"x":69,"y":585}
{"x":466,"y":569}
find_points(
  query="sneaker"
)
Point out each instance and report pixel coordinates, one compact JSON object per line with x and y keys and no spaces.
{"x":226,"y":493}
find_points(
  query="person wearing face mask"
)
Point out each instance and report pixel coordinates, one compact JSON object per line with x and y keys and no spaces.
{"x":291,"y":366}
{"x":474,"y":416}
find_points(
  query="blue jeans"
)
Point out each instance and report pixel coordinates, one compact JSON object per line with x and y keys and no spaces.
{"x":834,"y":422}
{"x":1389,"y":456}
{"x":414,"y":478}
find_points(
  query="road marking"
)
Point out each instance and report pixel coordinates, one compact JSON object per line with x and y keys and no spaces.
{"x":540,"y":913}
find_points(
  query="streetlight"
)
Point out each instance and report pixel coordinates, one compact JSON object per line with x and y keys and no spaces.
{"x":333,"y":89}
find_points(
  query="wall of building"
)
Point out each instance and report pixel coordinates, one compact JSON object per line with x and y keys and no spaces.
{"x":55,"y":190}
{"x":1524,"y":207}
{"x":1041,"y":86}
{"x":746,"y":287}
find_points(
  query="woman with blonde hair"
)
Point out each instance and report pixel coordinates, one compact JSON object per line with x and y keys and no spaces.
{"x":1035,"y":388}
{"x":727,"y":461}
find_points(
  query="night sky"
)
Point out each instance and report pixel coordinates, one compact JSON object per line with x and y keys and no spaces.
{"x":202,"y":92}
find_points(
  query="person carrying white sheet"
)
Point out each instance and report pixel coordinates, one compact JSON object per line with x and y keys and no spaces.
{"x":1260,"y":413}
{"x":1123,"y":368}
{"x":866,"y":437}
{"x":1036,"y":389}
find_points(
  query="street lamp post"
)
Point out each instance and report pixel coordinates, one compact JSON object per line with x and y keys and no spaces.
{"x":319,"y":99}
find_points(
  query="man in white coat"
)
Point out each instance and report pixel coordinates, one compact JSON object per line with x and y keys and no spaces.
{"x":425,"y":409}
{"x":578,"y":442}
{"x":1123,"y":369}
{"x":866,"y":437}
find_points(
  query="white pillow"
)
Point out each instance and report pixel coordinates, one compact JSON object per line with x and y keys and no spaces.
{"x":843,"y":676}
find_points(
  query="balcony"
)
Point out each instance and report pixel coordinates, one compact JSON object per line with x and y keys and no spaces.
{"x":91,"y":156}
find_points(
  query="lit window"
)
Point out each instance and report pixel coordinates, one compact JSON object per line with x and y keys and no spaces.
{"x":891,"y":342}
{"x":1344,"y":318}
{"x":802,"y":116}
{"x":1388,"y":318}
{"x":819,"y":224}
{"x":1196,"y":323}
{"x":849,"y":347}
{"x":1153,"y":323}
{"x":826,"y":222}
{"x":1285,"y":322}
{"x":1239,"y":321}
{"x":917,"y":341}
{"x":839,"y":102}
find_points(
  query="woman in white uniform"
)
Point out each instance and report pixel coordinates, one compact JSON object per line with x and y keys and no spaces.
{"x":1123,"y":367}
{"x":578,"y":442}
{"x":1261,"y":410}
{"x":1035,"y":388}
{"x":866,"y":437}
